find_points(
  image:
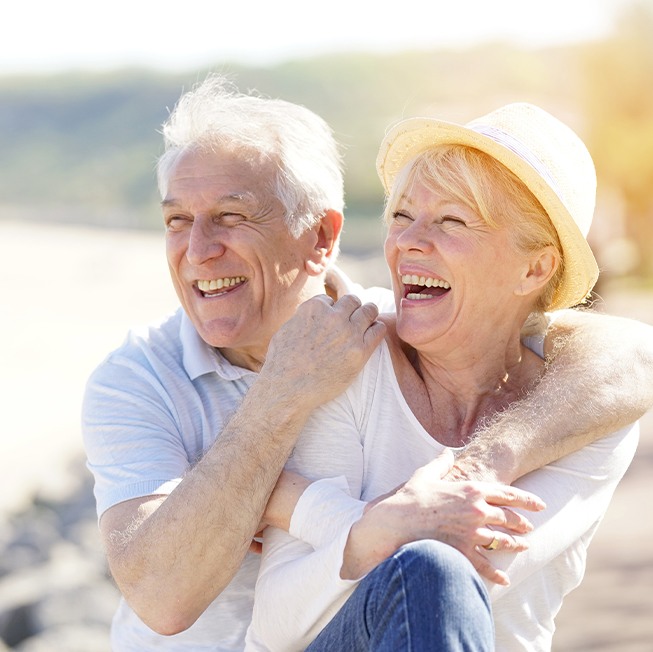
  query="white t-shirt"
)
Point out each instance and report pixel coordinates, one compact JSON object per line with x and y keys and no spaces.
{"x":369,"y":441}
{"x":151,"y":410}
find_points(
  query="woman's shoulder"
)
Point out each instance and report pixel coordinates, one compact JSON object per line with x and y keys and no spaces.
{"x":401,"y":353}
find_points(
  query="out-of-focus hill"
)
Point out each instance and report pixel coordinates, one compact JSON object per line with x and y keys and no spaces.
{"x":81,"y":147}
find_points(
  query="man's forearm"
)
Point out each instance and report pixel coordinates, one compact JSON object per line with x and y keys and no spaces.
{"x":599,"y":378}
{"x":192,"y":545}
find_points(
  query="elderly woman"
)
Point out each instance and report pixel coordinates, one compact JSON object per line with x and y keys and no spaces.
{"x":486,"y":232}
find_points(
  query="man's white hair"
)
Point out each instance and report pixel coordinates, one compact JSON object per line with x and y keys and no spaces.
{"x":214,"y":114}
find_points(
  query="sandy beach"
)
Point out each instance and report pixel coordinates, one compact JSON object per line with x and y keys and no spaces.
{"x":69,"y":296}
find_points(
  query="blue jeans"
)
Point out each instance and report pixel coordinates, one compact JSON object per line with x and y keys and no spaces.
{"x":427,"y":596}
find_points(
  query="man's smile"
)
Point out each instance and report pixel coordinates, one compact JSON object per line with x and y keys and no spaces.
{"x":219,"y":285}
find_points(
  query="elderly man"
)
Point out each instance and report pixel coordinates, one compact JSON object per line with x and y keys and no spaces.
{"x":188,"y":425}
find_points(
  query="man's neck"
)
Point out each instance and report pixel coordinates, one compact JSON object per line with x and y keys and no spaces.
{"x":252,"y":360}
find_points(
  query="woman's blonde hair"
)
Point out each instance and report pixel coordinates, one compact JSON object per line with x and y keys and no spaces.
{"x":475,"y":179}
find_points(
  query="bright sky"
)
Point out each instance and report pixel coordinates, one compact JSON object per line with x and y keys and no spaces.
{"x":47,"y":35}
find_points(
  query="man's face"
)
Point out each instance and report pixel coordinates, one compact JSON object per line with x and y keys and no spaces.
{"x":238,"y":272}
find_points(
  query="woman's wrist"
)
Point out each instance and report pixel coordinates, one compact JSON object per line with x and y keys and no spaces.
{"x":283,"y":500}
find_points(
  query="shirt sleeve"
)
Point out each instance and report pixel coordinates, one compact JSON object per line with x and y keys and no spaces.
{"x":325,"y":507}
{"x":299,"y":588}
{"x":130,"y":433}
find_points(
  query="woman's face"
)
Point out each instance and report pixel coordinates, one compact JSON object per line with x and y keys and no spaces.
{"x":453,"y":276}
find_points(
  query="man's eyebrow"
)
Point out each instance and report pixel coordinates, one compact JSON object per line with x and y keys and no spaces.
{"x":235,"y":196}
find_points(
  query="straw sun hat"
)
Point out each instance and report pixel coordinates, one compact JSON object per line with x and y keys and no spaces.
{"x":548,"y":157}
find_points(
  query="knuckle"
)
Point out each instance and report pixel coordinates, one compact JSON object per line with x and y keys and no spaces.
{"x":349,"y":300}
{"x":370,"y":310}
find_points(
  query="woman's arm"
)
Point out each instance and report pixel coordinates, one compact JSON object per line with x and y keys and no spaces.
{"x":308,"y":574}
{"x":599,"y":378}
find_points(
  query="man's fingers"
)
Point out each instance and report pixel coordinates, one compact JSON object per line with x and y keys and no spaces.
{"x":365,"y":313}
{"x":327,"y":299}
{"x":363,"y":318}
{"x":374,"y":334}
{"x":348,"y":303}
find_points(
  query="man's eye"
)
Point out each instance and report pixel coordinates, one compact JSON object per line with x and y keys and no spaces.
{"x":176,"y":221}
{"x":232,"y":218}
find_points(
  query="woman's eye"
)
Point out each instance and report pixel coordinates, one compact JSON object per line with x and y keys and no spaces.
{"x":401,"y":218}
{"x":452,"y":219}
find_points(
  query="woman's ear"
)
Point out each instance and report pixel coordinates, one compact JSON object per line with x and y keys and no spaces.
{"x":539,"y":269}
{"x":327,"y":236}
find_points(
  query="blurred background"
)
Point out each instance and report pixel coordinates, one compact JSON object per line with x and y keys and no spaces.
{"x":83,"y":92}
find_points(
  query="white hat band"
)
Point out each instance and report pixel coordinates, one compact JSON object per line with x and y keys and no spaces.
{"x":517,"y":147}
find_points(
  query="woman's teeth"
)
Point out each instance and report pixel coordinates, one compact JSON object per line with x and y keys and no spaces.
{"x":423,"y":281}
{"x":426,"y":281}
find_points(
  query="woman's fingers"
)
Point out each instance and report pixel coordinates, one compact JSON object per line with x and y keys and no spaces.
{"x":508,"y":520}
{"x":490,"y":540}
{"x":485,"y":569}
{"x":506,"y":496}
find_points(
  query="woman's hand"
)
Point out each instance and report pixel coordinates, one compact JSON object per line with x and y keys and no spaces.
{"x":466,"y":515}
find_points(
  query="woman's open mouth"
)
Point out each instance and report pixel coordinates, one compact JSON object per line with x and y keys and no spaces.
{"x":423,"y":287}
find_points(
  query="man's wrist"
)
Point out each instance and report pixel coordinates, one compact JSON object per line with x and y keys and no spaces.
{"x":467,"y":469}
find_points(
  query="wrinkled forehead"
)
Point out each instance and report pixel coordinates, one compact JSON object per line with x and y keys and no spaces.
{"x":214,"y":160}
{"x":198,"y":180}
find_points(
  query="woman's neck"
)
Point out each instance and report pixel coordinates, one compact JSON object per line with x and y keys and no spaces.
{"x":453,"y":392}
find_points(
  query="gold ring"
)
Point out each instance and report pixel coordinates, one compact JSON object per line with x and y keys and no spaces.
{"x":493,"y":545}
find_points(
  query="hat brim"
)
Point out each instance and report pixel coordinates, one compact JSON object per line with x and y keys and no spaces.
{"x":409,"y":138}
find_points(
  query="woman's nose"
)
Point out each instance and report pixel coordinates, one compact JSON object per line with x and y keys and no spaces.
{"x":415,"y":237}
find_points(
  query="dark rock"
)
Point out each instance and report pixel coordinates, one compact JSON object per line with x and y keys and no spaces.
{"x":14,"y":625}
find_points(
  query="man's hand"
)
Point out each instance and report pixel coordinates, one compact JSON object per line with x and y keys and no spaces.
{"x":317,"y":353}
{"x":465,"y":515}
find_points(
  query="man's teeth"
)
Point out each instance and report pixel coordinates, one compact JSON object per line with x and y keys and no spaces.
{"x":219,"y":283}
{"x":412,"y":279}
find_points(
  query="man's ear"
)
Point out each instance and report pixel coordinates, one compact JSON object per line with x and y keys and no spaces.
{"x":538,"y":270}
{"x":327,"y":236}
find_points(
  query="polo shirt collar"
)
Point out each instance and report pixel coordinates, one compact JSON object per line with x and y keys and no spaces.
{"x":200,"y":358}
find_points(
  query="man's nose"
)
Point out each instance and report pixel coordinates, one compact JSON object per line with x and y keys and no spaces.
{"x":206,"y":241}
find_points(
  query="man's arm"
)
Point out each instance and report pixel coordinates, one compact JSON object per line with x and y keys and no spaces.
{"x":599,"y":378}
{"x":171,"y":556}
